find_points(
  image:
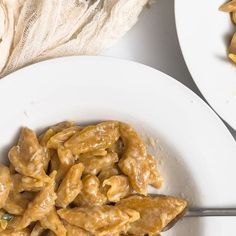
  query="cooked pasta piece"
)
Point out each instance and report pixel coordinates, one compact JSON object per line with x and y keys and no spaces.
{"x":61,"y":169}
{"x":16,"y":203}
{"x":5,"y":184}
{"x":61,"y":137}
{"x":117,"y":147}
{"x":22,"y":232}
{"x":51,"y":131}
{"x":75,"y":230}
{"x":155,"y":212}
{"x":94,"y":165}
{"x":96,"y":153}
{"x":48,"y":152}
{"x":70,"y":186}
{"x":37,"y":230}
{"x":232,"y":48}
{"x":55,"y":140}
{"x":134,"y":159}
{"x":27,"y":157}
{"x":108,"y":172}
{"x":62,"y":125}
{"x":25,"y":183}
{"x":233,"y":17}
{"x":118,"y":187}
{"x":50,"y":233}
{"x":54,"y":161}
{"x":229,"y":6}
{"x":100,"y":220}
{"x":12,"y":169}
{"x":29,"y":195}
{"x":51,"y":221}
{"x":46,"y":159}
{"x":42,"y":204}
{"x":65,"y":156}
{"x":94,"y":174}
{"x":91,"y":193}
{"x":45,"y":137}
{"x":92,"y":138}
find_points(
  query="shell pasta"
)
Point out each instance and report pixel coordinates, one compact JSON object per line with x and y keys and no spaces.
{"x":76,"y":180}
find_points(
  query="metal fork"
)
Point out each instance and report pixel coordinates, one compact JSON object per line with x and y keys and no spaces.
{"x":202,"y":212}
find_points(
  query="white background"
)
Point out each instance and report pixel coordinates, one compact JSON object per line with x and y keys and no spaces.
{"x":153,"y":41}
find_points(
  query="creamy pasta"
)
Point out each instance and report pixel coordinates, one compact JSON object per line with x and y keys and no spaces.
{"x":75,"y":180}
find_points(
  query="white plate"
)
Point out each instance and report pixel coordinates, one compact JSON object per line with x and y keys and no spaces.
{"x":204,"y":34}
{"x":197,"y":151}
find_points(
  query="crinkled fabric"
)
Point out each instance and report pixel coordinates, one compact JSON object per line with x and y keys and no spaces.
{"x":37,"y":30}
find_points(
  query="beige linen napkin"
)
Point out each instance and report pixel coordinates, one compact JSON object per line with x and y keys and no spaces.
{"x":36,"y":30}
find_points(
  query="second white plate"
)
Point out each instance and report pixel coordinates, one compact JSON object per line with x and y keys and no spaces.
{"x":204,"y":33}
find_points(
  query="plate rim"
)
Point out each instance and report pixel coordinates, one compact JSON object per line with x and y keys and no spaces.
{"x":173,"y":81}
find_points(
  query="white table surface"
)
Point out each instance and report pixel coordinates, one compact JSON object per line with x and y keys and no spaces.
{"x":153,"y":41}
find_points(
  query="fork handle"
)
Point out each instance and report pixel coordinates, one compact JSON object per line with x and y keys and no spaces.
{"x":203,"y":212}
